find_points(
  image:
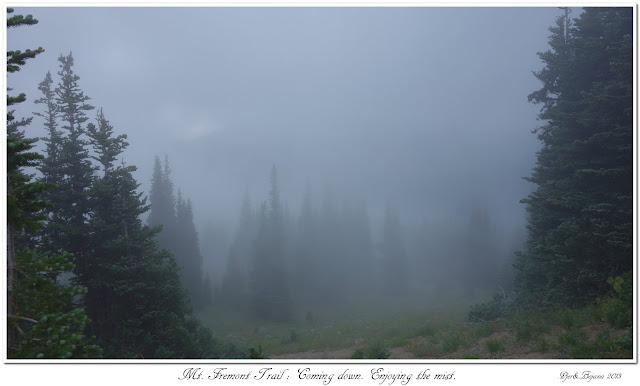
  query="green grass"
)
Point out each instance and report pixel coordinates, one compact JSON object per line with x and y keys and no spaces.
{"x":495,"y":346}
{"x":451,"y":342}
{"x":429,"y":329}
{"x":541,"y":345}
{"x":482,"y":330}
{"x":588,"y":332}
{"x":374,"y":351}
{"x":392,"y":323}
{"x":422,"y":349}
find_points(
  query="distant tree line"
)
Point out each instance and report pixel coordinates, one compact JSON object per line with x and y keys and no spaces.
{"x":178,"y":234}
{"x":277,"y":261}
{"x":280,"y":263}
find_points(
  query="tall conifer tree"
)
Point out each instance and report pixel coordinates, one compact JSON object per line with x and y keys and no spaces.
{"x":51,"y":167}
{"x":162,"y":200}
{"x":135,"y":297}
{"x":71,"y":202}
{"x":580,"y":225}
{"x":187,"y":251}
{"x":270,"y":297}
{"x":235,"y":283}
{"x":42,"y":322}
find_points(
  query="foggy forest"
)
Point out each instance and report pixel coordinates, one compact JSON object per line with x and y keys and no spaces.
{"x":320,"y":183}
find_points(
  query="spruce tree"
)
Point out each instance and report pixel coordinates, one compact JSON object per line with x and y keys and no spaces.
{"x":22,"y":194}
{"x":49,"y":327}
{"x":306,"y":279}
{"x":580,"y":225}
{"x":106,"y":147}
{"x":139,"y":307}
{"x":178,"y":234}
{"x":187,"y":250}
{"x":71,"y":205}
{"x":235,"y":283}
{"x":51,"y":167}
{"x":270,"y":297}
{"x":163,"y":203}
{"x":42,"y":322}
{"x":329,"y":257}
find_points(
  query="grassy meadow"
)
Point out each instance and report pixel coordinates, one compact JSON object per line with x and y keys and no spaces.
{"x":382,"y":329}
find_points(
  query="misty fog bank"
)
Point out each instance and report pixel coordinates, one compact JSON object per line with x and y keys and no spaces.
{"x":418,"y":111}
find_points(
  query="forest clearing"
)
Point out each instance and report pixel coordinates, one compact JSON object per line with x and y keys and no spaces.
{"x":591,"y":332}
{"x":278,"y":189}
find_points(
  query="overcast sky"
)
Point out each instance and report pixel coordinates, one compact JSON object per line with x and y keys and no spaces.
{"x":422,"y":108}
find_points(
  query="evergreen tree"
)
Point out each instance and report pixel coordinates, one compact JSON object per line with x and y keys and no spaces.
{"x":135,"y":297}
{"x":41,"y":320}
{"x":246,"y":235}
{"x":178,"y":235}
{"x":163,"y":203}
{"x":51,"y":166}
{"x":306,"y":279}
{"x":104,"y":144}
{"x":333,"y":252}
{"x":580,"y":225}
{"x":187,"y":251}
{"x":71,"y":202}
{"x":52,"y":329}
{"x":113,"y":203}
{"x":22,"y":193}
{"x":235,"y":283}
{"x":269,"y":287}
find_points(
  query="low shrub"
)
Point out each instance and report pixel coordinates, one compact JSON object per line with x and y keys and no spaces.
{"x":495,"y":345}
{"x":527,"y":329}
{"x":496,"y":308}
{"x":375,"y":351}
{"x":568,"y":318}
{"x":541,"y":345}
{"x":571,"y":338}
{"x":619,"y":310}
{"x":451,"y":343}
{"x":421,"y":349}
{"x":426,"y":330}
{"x":482,"y":330}
{"x":256,"y":354}
{"x":626,"y":342}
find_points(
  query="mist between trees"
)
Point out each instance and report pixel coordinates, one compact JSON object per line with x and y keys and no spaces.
{"x":99,"y":268}
{"x":326,"y":253}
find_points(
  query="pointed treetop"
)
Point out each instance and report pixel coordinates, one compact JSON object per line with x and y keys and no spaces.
{"x":104,"y":143}
{"x":70,"y":98}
